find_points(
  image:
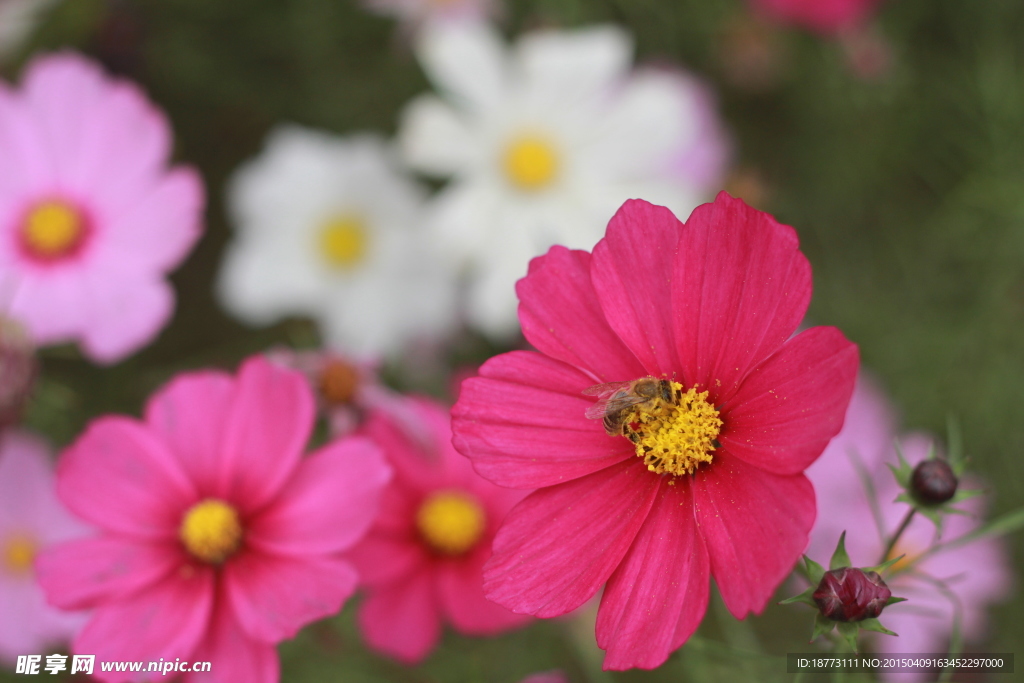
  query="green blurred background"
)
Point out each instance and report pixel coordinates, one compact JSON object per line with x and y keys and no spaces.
{"x":906,"y":186}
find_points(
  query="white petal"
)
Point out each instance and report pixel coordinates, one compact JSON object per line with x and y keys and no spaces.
{"x":466,"y":60}
{"x":567,"y":66}
{"x":434,"y":138}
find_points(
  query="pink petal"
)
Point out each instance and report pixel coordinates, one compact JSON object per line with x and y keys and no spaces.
{"x":790,"y":406}
{"x":523,"y":423}
{"x":658,"y":595}
{"x":188,"y":413}
{"x":460,"y":589}
{"x":561,"y":543}
{"x":328,"y":504}
{"x":755,"y":525}
{"x":27,"y":497}
{"x":273,"y":597}
{"x":402,"y":620}
{"x":265,"y":432}
{"x":234,"y":657}
{"x":382,"y":558}
{"x":53,"y":304}
{"x":631,"y":271}
{"x":168,"y":620}
{"x":562,"y":318}
{"x":88,"y":572}
{"x":29,"y":624}
{"x":125,"y":312}
{"x":740,"y":288}
{"x":120,"y":477}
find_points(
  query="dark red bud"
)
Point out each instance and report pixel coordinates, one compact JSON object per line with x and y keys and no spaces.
{"x":851,"y":594}
{"x":933,"y":482}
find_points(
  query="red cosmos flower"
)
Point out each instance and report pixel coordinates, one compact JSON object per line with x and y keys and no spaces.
{"x":708,"y":307}
{"x":422,"y":561}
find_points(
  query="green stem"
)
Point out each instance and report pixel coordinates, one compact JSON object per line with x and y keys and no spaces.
{"x":896,"y":536}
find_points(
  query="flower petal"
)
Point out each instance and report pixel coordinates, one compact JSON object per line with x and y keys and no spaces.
{"x":630,"y":271}
{"x":790,"y":406}
{"x":561,"y":543}
{"x":120,"y":477}
{"x":740,"y":288}
{"x":84,"y":573}
{"x":167,"y":620}
{"x":561,"y":317}
{"x":273,"y":597}
{"x":328,"y":504}
{"x":460,"y":589}
{"x":523,"y":423}
{"x":188,"y":413}
{"x":402,"y":619}
{"x":584,"y":64}
{"x":383,"y":558}
{"x":466,"y":60}
{"x":265,"y":432}
{"x":658,"y":595}
{"x":435,"y":138}
{"x":234,"y":656}
{"x":125,"y":312}
{"x":755,"y":525}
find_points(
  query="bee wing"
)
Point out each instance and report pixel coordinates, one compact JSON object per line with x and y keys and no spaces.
{"x":606,"y":389}
{"x":613,"y":403}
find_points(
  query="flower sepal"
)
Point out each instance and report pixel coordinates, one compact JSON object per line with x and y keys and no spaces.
{"x":932,"y":486}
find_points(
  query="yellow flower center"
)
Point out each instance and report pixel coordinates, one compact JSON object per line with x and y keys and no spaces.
{"x":53,"y":229}
{"x":343,"y":241}
{"x":531,"y":163}
{"x":451,"y":522}
{"x":211,"y":531}
{"x":674,"y":437}
{"x":19,"y":552}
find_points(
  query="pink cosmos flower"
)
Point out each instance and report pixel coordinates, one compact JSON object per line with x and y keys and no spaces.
{"x":732,"y":414}
{"x":977,"y":574}
{"x":31,"y":518}
{"x":91,"y":219}
{"x":423,"y":559}
{"x":826,"y":17}
{"x":546,"y":677}
{"x":218,"y":539}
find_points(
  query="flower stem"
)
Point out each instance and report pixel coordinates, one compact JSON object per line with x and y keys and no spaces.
{"x":896,"y":536}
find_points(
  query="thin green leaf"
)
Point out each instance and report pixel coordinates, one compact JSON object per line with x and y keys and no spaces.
{"x":840,"y":558}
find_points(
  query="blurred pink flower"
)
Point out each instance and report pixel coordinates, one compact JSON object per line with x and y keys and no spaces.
{"x":546,"y":677}
{"x":821,"y":16}
{"x":91,"y":219}
{"x":703,"y":479}
{"x":218,"y":539}
{"x":423,"y":560}
{"x":977,"y":573}
{"x":31,"y":518}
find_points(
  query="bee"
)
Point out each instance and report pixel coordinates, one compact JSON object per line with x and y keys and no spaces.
{"x":617,"y":399}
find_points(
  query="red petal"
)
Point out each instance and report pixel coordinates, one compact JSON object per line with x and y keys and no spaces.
{"x":741,"y":287}
{"x":234,"y":657}
{"x":460,"y":588}
{"x":657,"y":597}
{"x":561,"y":543}
{"x":120,"y":477}
{"x":755,"y":525}
{"x":561,"y":316}
{"x":523,"y":423}
{"x":790,"y":406}
{"x":402,"y":619}
{"x":328,"y":504}
{"x":631,"y":271}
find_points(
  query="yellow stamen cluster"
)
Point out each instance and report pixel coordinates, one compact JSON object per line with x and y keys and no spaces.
{"x":451,"y":522}
{"x":52,"y":229}
{"x":531,"y":163}
{"x":19,"y":552}
{"x":211,"y":531}
{"x":674,"y":437}
{"x":343,"y":241}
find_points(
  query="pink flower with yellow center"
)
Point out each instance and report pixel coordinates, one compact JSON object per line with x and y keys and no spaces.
{"x":690,"y":463}
{"x":91,"y":218}
{"x":218,"y":539}
{"x":31,"y":518}
{"x":422,"y":561}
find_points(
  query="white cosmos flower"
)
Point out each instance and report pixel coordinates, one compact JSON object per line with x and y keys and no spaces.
{"x":327,"y":227}
{"x":542,"y":142}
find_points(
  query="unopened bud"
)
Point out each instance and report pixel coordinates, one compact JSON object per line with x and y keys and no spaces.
{"x":933,"y":482}
{"x":851,"y":594}
{"x":17,"y":370}
{"x":339,"y":382}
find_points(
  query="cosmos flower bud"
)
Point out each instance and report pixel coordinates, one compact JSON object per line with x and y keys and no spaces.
{"x":851,"y":594}
{"x":17,"y":370}
{"x":933,"y":481}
